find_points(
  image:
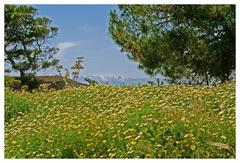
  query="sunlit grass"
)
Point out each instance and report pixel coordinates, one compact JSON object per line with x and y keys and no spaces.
{"x":15,"y":105}
{"x":171,"y":121}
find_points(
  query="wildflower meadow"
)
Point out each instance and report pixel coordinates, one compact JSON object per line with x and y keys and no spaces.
{"x":103,"y":121}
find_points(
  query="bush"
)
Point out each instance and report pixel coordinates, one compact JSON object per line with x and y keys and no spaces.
{"x":58,"y":85}
{"x":12,"y":83}
{"x":91,"y":81}
{"x":31,"y":82}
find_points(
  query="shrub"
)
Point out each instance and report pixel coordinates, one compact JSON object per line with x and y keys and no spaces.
{"x":33,"y":83}
{"x":12,"y":83}
{"x":30,"y":81}
{"x":58,"y":85}
{"x":91,"y":81}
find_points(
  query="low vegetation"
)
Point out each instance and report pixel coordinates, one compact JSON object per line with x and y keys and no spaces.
{"x":102,"y":121}
{"x":15,"y":105}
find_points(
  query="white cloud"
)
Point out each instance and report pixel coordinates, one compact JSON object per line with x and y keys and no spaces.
{"x":63,"y":46}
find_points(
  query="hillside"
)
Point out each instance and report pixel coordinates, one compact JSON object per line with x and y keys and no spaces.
{"x":51,"y":79}
{"x":169,"y":121}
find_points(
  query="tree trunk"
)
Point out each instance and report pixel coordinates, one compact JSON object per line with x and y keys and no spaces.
{"x":158,"y":81}
{"x":22,"y":76}
{"x":223,"y":70}
{"x":206,"y":75}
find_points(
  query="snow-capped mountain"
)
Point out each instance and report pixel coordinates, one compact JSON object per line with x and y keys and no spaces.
{"x":120,"y":80}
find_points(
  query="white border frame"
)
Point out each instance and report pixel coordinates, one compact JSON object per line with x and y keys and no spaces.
{"x":2,"y":2}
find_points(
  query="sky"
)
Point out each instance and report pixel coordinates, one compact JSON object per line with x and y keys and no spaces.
{"x":83,"y":31}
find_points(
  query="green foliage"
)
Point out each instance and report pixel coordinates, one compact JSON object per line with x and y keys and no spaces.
{"x":59,"y":68}
{"x":102,"y":121}
{"x":57,"y":85}
{"x":27,"y":83}
{"x":15,"y":105}
{"x":12,"y":83}
{"x":30,"y":81}
{"x":33,"y":83}
{"x":185,"y":43}
{"x":76,"y":68}
{"x":26,"y":40}
{"x":90,"y":81}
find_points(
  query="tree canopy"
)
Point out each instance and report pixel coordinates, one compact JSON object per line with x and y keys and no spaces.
{"x":186,"y":43}
{"x":27,"y":36}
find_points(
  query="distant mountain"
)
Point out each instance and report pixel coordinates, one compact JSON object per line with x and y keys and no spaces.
{"x":120,"y":80}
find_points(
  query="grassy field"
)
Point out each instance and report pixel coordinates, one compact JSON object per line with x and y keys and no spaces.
{"x":170,"y":121}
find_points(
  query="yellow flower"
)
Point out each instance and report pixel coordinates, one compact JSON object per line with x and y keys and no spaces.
{"x":193,"y":147}
{"x":89,"y":144}
{"x":138,"y":137}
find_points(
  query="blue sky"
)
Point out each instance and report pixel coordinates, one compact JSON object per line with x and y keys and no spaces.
{"x":83,"y":31}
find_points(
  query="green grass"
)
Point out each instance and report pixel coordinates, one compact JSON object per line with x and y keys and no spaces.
{"x":171,"y":121}
{"x":15,"y":105}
